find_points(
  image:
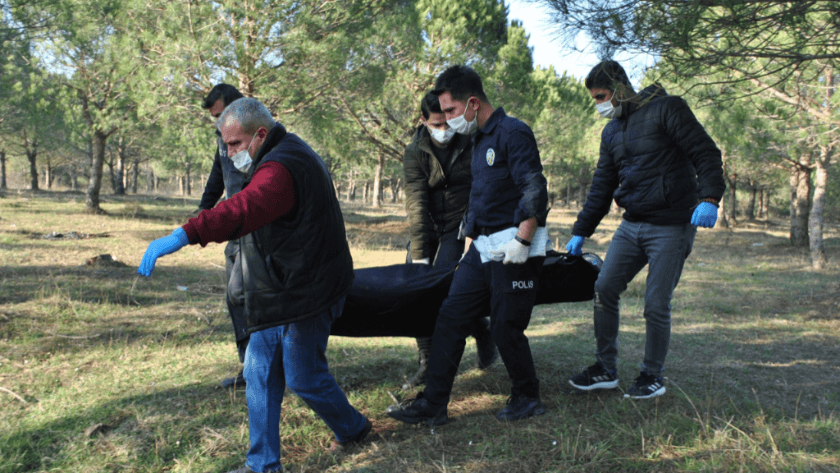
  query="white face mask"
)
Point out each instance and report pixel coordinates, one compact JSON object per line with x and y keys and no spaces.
{"x":607,"y":110}
{"x":242,"y":160}
{"x":441,"y":136}
{"x":461,"y":125}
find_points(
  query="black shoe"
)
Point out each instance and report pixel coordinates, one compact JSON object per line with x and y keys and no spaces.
{"x":418,"y":410}
{"x":356,"y":440}
{"x":424,"y":347}
{"x":521,"y":407}
{"x":646,"y":387}
{"x":237,"y":381}
{"x":595,"y":377}
{"x":485,"y":345}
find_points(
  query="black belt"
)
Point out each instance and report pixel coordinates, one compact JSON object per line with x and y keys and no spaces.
{"x":486,"y":231}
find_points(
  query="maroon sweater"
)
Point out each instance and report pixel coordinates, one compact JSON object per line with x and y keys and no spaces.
{"x":269,"y":195}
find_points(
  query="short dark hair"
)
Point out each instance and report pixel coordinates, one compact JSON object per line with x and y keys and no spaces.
{"x":430,"y":104}
{"x":461,"y":82}
{"x":606,"y":75}
{"x":226,"y":92}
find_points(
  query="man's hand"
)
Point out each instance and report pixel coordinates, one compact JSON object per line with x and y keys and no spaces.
{"x":513,"y":252}
{"x":161,"y":247}
{"x":420,"y":261}
{"x":705,"y":215}
{"x":574,"y":245}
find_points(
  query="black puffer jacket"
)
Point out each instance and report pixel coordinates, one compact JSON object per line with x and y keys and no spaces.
{"x":656,"y":161}
{"x":435,"y":201}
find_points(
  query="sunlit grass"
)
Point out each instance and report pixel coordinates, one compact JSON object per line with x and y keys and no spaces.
{"x":102,"y":371}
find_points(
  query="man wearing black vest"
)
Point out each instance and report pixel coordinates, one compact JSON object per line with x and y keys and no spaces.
{"x":296,"y":270}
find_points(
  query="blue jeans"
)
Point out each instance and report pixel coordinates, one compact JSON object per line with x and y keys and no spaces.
{"x":509,"y":290}
{"x":293,"y":355}
{"x":635,"y":244}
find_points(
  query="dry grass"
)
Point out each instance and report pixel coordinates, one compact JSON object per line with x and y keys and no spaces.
{"x":100,"y":371}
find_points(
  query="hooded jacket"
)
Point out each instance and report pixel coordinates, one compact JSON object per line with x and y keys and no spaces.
{"x":435,"y":201}
{"x":656,"y":161}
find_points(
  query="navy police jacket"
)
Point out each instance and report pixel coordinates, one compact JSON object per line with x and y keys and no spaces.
{"x":656,"y":161}
{"x":508,"y":184}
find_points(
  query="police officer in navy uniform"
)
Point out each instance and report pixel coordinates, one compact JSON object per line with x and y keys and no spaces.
{"x":505,"y":249}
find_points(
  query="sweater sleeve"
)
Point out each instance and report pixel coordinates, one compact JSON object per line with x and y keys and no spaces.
{"x":269,"y":196}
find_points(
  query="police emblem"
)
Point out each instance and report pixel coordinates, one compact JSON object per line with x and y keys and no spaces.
{"x":491,"y":156}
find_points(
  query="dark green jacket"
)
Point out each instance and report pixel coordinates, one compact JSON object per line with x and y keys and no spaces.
{"x":435,"y":202}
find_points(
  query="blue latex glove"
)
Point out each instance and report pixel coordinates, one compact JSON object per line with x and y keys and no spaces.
{"x":574,"y":245}
{"x":160,"y":247}
{"x":705,"y":215}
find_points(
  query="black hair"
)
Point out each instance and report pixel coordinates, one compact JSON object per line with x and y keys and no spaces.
{"x":226,"y":92}
{"x":606,"y":75}
{"x":461,"y":82}
{"x":430,"y":104}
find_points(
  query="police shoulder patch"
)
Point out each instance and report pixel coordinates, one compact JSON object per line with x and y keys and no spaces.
{"x":491,"y":156}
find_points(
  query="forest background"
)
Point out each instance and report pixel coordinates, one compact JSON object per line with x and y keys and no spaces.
{"x":101,"y":132}
{"x":105,"y":94}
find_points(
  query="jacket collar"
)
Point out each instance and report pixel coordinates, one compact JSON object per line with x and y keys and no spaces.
{"x":277,"y":133}
{"x":495,"y":118}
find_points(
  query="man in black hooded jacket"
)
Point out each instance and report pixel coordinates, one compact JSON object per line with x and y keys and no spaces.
{"x":659,"y":164}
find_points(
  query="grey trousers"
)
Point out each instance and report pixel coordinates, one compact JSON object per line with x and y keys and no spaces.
{"x":664,"y":248}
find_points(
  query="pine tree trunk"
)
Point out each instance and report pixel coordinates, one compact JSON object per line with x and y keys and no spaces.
{"x":761,"y":209}
{"x":3,"y":185}
{"x":33,"y":169}
{"x":753,"y":190}
{"x":119,"y":178}
{"x":377,"y":182}
{"x":187,"y":179}
{"x":815,"y":220}
{"x":800,"y":196}
{"x":97,"y":163}
{"x":722,"y":220}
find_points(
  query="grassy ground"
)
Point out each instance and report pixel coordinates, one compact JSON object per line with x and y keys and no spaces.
{"x":103,"y":372}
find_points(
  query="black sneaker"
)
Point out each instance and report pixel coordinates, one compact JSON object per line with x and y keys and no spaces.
{"x":417,"y":411}
{"x":237,"y":381}
{"x":355,"y":441}
{"x":521,"y":407}
{"x":595,"y":377}
{"x":646,"y":387}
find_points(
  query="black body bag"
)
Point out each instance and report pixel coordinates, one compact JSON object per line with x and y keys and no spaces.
{"x":403,"y":300}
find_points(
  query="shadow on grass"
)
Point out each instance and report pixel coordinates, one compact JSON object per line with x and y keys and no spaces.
{"x":154,"y":430}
